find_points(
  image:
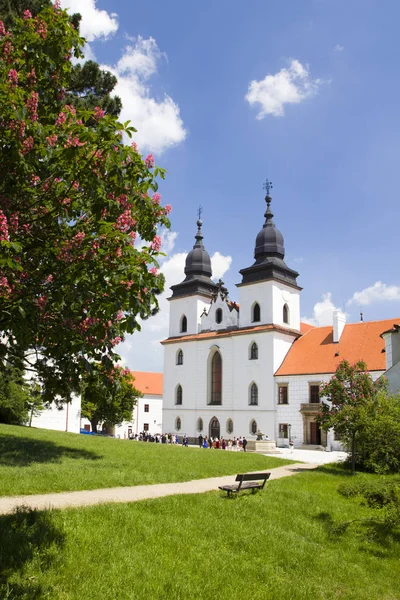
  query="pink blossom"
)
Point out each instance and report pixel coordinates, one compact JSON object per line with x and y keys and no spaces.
{"x":156,"y":243}
{"x":3,"y":227}
{"x":3,"y":30}
{"x":5,"y":289}
{"x":73,"y":142}
{"x":41,"y":28}
{"x":154,"y":271}
{"x":69,"y":108}
{"x":27,"y":145}
{"x":135,"y":147}
{"x":49,"y":279}
{"x":8,"y":50}
{"x":62,"y":117}
{"x":32,"y":105}
{"x":167,"y":209}
{"x":34,"y":178}
{"x":52,"y":139}
{"x":156,"y":198}
{"x":12,"y":77}
{"x":149,"y":161}
{"x":27,"y":15}
{"x":98,"y":113}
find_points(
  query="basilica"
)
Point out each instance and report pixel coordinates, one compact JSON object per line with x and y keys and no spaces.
{"x":233,"y":369}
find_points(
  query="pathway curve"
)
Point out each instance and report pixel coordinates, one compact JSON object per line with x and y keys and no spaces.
{"x":134,"y":493}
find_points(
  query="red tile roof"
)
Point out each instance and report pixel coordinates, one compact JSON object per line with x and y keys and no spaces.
{"x":148,"y":383}
{"x":315,"y":352}
{"x":304,"y":327}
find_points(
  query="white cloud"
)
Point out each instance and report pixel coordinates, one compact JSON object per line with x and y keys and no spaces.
{"x":290,"y":85}
{"x":95,"y":23}
{"x":220,"y":264}
{"x":142,"y":351}
{"x":322,"y":313}
{"x":338,"y":48}
{"x":377,"y":292}
{"x":158,"y":122}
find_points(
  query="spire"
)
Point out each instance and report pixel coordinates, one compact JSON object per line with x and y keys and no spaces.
{"x":269,"y":241}
{"x":197,"y":268}
{"x":269,"y":251}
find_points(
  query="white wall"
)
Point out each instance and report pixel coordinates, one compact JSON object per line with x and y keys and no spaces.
{"x":271,"y":296}
{"x":238,"y":374}
{"x":66,"y":419}
{"x":298,"y":393}
{"x":190,"y":306}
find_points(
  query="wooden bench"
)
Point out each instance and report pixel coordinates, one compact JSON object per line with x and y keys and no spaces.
{"x":246,"y":481}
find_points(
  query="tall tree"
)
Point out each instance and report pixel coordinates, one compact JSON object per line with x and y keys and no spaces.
{"x":349,"y":394}
{"x":108,"y":399}
{"x":88,"y":86}
{"x":73,"y":198}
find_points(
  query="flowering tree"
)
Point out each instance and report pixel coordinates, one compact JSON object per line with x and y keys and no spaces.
{"x":349,"y":392}
{"x":89,"y":85}
{"x":73,"y":200}
{"x":108,"y":397}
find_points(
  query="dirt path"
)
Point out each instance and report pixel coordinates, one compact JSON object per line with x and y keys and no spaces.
{"x":134,"y":493}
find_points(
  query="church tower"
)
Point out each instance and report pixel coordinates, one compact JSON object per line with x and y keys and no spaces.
{"x":193,"y":294}
{"x":268,"y":293}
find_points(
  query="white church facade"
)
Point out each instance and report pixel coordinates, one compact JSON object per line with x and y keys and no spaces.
{"x":231,"y":369}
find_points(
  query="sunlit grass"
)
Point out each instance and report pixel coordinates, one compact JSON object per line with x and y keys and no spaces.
{"x":38,"y":461}
{"x":276,"y":544}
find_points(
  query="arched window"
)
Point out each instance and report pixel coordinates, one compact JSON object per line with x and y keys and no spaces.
{"x":179,"y":358}
{"x":253,"y":427}
{"x":256,"y":313}
{"x":216,"y":379}
{"x":253,"y":351}
{"x":178,"y":423}
{"x":253,"y":401}
{"x":199,"y":424}
{"x":218,"y":315}
{"x":214,"y":429}
{"x":229,"y":426}
{"x":285,"y":313}
{"x":183,"y":324}
{"x":178,"y":395}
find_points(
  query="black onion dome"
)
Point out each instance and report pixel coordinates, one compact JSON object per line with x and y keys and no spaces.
{"x":269,"y":254}
{"x":269,"y":241}
{"x":198,"y":260}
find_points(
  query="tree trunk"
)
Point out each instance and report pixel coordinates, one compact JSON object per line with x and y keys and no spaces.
{"x":31,"y":416}
{"x":353,"y":453}
{"x":94,"y":423}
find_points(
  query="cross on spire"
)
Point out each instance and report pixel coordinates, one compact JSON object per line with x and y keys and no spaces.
{"x":267,"y":186}
{"x":199,"y":212}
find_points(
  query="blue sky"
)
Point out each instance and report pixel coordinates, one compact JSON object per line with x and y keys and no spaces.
{"x":320,"y":120}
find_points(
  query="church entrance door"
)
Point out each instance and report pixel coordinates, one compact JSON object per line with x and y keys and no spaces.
{"x":315,"y":434}
{"x":214,"y":428}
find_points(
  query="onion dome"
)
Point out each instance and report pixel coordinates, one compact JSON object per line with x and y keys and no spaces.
{"x":197,"y":270}
{"x":198,"y":260}
{"x":269,"y":252}
{"x":269,"y":241}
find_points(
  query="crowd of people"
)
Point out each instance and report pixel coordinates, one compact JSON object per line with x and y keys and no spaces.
{"x":235,"y":444}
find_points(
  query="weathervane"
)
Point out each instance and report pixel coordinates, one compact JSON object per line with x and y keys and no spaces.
{"x":199,"y":212}
{"x":268,"y":186}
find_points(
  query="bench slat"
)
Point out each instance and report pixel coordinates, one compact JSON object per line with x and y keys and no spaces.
{"x":247,"y":481}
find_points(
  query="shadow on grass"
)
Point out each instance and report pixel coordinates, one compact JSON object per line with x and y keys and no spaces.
{"x":342,"y":468}
{"x":384,"y":537}
{"x":27,"y":535}
{"x":18,"y":451}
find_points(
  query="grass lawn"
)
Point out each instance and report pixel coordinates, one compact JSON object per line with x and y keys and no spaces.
{"x":34,"y":461}
{"x":276,"y":544}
